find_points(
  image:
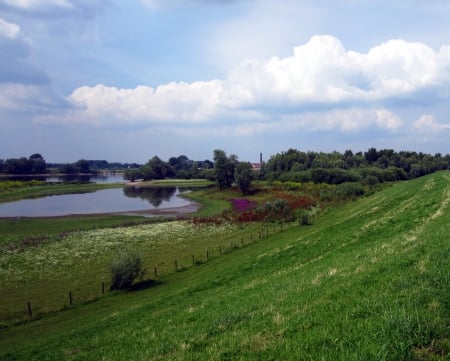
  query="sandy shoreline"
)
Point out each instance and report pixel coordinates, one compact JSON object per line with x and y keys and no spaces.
{"x":188,"y":208}
{"x":173,"y":211}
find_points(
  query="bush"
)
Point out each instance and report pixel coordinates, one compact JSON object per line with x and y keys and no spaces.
{"x":124,"y":268}
{"x":350,"y":190}
{"x":304,"y":217}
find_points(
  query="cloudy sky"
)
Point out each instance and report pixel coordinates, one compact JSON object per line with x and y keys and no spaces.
{"x":124,"y":80}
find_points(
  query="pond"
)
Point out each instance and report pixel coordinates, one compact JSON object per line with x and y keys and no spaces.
{"x":118,"y":200}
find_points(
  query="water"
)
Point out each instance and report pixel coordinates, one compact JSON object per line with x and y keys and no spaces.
{"x":125,"y":200}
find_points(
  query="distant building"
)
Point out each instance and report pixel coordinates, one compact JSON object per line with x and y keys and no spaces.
{"x":257,"y":166}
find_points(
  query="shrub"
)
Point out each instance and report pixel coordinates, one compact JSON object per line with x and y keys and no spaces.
{"x":349,"y":190}
{"x":304,"y":217}
{"x":124,"y":268}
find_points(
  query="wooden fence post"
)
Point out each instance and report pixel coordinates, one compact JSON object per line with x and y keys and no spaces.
{"x":103,"y":288}
{"x":70,"y":298}
{"x":176,"y":265}
{"x":193,"y":259}
{"x":207,"y":254}
{"x":30,"y":312}
{"x":156,"y":271}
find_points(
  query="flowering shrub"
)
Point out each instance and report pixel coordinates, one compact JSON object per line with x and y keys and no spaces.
{"x":242,"y":204}
{"x":283,"y":207}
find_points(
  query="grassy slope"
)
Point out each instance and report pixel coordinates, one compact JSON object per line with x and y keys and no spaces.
{"x":369,"y":281}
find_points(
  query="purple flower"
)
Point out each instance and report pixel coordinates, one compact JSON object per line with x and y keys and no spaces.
{"x":241,"y":204}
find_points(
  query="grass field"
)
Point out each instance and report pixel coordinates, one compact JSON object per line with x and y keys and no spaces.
{"x":367,"y":281}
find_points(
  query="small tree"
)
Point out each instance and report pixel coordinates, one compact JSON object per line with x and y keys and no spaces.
{"x":124,"y":268}
{"x":243,"y":176}
{"x":224,"y":169}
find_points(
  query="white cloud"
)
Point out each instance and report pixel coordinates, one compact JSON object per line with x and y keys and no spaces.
{"x":173,"y":102}
{"x":321,"y":85}
{"x":428,"y":124}
{"x":26,"y":98}
{"x":36,"y":4}
{"x":9,"y":30}
{"x":346,"y":120}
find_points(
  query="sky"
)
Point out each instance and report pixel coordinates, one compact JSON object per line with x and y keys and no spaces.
{"x":124,"y":80}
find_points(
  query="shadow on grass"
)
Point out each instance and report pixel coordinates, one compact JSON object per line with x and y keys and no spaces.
{"x":144,"y":285}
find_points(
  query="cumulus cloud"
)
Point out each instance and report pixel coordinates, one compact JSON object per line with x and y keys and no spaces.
{"x":319,"y":75}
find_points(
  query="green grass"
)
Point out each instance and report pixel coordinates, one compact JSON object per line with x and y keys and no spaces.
{"x":367,"y":281}
{"x":44,"y":274}
{"x":29,"y":190}
{"x":15,"y":230}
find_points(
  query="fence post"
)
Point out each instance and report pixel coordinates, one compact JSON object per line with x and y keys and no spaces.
{"x":103,"y":288}
{"x":70,"y":298}
{"x":176,"y":265}
{"x":156,"y":271}
{"x":207,"y":254}
{"x":220,"y":249}
{"x":30,"y":312}
{"x":193,"y":259}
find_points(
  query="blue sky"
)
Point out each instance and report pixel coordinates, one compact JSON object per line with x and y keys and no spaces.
{"x":127,"y":80}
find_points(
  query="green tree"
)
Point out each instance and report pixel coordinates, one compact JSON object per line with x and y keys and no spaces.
{"x":38,"y":165}
{"x":133,"y":174}
{"x":160,"y":168}
{"x":224,"y":169}
{"x":82,"y":166}
{"x":243,"y":176}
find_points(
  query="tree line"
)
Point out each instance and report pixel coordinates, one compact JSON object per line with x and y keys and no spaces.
{"x":370,"y":167}
{"x":180,"y":167}
{"x":36,"y":164}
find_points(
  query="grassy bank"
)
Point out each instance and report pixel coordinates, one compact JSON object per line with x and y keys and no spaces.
{"x":41,"y":189}
{"x":367,"y":281}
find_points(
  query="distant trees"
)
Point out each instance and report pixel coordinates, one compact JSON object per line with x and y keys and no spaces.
{"x":177,"y":167}
{"x":371,"y":167}
{"x":80,"y":166}
{"x":35,"y":164}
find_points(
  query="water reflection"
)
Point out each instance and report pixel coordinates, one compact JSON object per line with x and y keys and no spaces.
{"x":126,"y":199}
{"x":155,"y":196}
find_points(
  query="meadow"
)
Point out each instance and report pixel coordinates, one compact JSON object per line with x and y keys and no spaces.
{"x":368,"y":280}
